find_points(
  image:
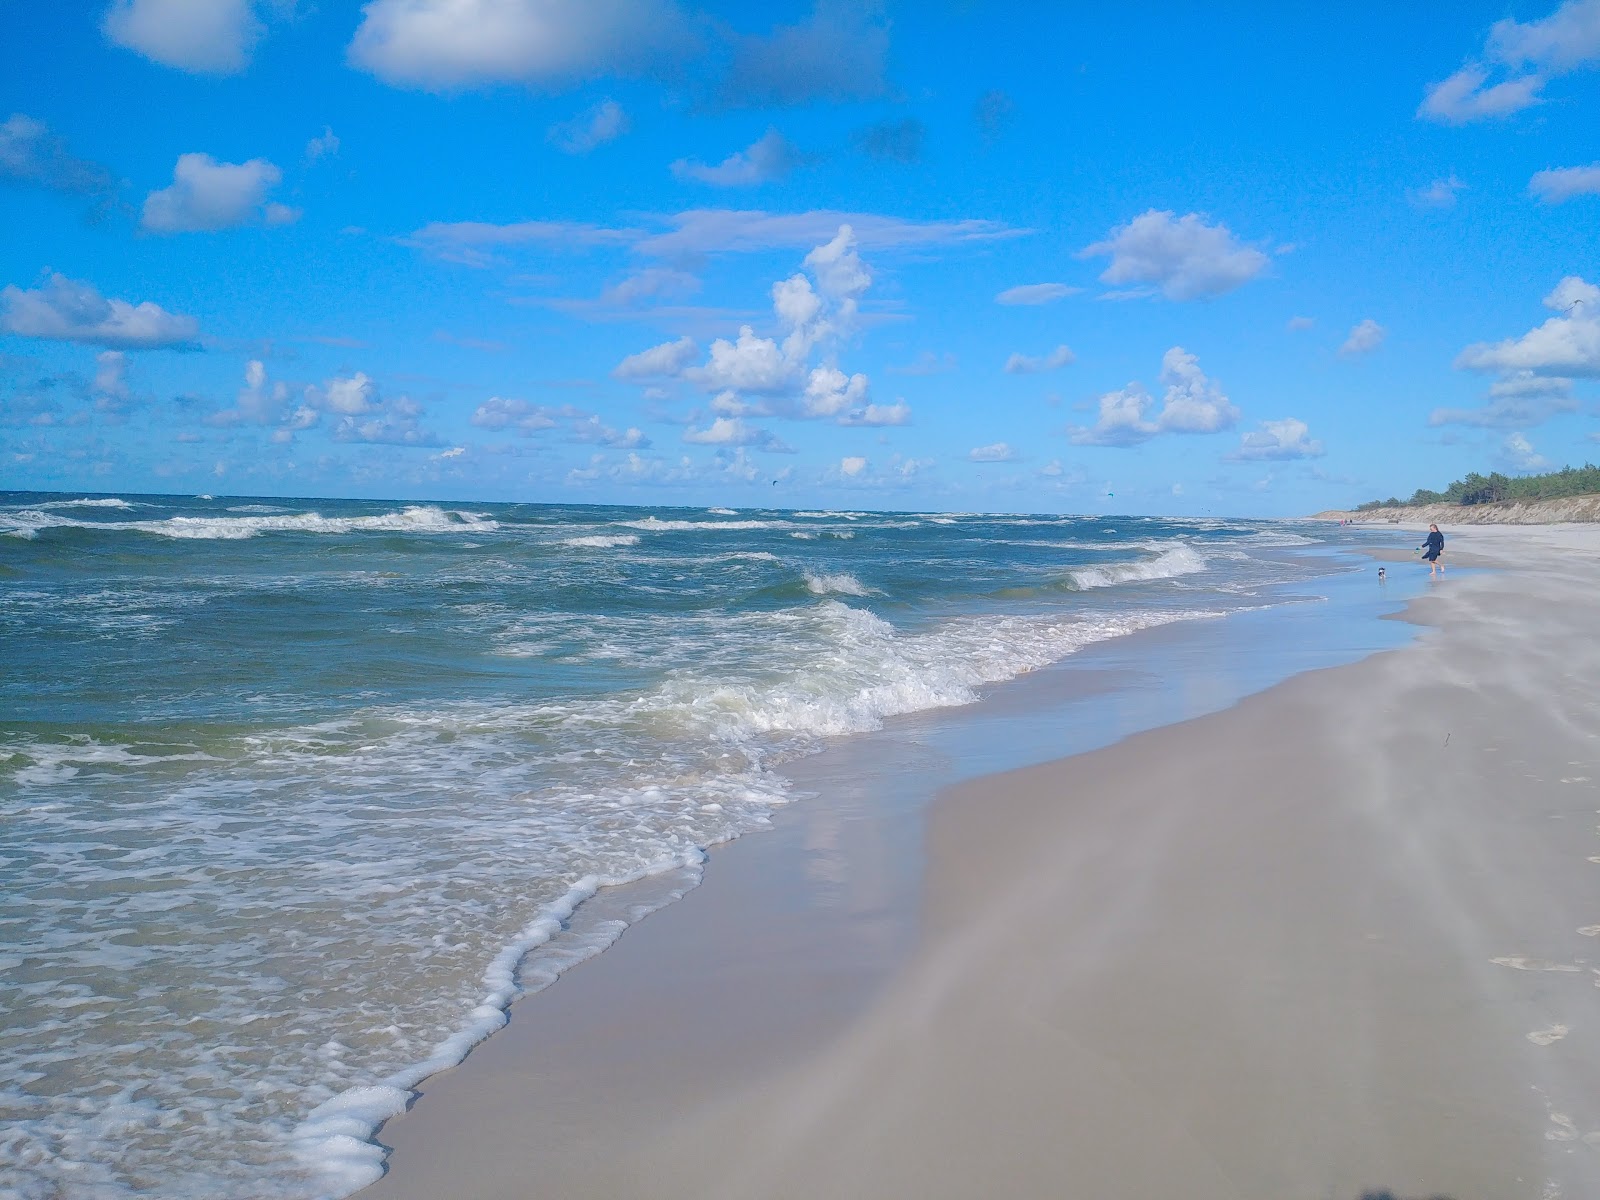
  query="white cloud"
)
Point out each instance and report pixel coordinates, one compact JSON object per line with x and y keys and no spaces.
{"x":590,"y":129}
{"x":852,"y":466}
{"x":995,"y":453}
{"x":259,"y":401}
{"x":1296,"y":324}
{"x":213,"y":37}
{"x":325,"y":145}
{"x":1193,"y":403}
{"x":732,"y":431}
{"x":1563,"y":183}
{"x":1441,"y":193}
{"x":1278,"y":440}
{"x":769,"y":157}
{"x":836,"y":54}
{"x":1035,"y":293}
{"x":1517,"y":453}
{"x":445,"y":45}
{"x":593,"y":430}
{"x":206,"y":195}
{"x":1463,"y":97}
{"x":659,"y":362}
{"x":1023,"y":364}
{"x":30,"y":153}
{"x":469,"y":243}
{"x":1568,"y":344}
{"x":1365,"y":337}
{"x":898,"y":413}
{"x":350,"y":395}
{"x":1184,"y":257}
{"x":1565,"y":40}
{"x":63,"y":309}
{"x":829,"y":392}
{"x":396,"y":425}
{"x":526,"y":419}
{"x":747,"y":364}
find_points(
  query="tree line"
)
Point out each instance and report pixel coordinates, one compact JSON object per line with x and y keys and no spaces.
{"x":1490,"y":489}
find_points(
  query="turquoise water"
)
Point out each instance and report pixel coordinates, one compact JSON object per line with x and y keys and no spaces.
{"x":294,"y":791}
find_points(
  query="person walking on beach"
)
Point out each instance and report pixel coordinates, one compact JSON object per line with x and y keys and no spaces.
{"x":1432,"y":549}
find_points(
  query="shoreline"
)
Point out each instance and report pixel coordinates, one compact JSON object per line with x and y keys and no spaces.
{"x":867,"y":941}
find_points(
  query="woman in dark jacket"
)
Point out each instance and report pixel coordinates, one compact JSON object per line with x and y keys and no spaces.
{"x":1432,"y":549}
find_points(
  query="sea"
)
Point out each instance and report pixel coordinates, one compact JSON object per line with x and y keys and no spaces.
{"x":297,"y":795}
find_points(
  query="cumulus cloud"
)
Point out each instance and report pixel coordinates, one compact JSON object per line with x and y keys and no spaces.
{"x":1518,"y":454}
{"x":1185,"y":258}
{"x":207,"y":195}
{"x":1278,"y":440}
{"x":592,"y":128}
{"x":1023,"y":364}
{"x":1520,"y":58}
{"x":829,"y":392}
{"x":1035,"y":293}
{"x":1193,"y":403}
{"x":396,"y":424}
{"x":1441,"y":193}
{"x":993,"y":453}
{"x":448,"y":45}
{"x":1365,"y":337}
{"x":852,"y":466}
{"x":1561,"y":184}
{"x":67,"y":310}
{"x":892,"y":141}
{"x":733,"y":431}
{"x":31,"y":154}
{"x":1564,"y":345}
{"x":211,"y":37}
{"x":769,"y":157}
{"x":837,"y":54}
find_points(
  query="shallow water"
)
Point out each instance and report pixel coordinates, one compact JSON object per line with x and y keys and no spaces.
{"x":292,"y":787}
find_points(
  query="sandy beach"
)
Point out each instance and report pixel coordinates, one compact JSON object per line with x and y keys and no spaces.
{"x":1339,"y":938}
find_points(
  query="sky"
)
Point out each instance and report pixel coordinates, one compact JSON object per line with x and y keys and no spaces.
{"x":1016,"y":257}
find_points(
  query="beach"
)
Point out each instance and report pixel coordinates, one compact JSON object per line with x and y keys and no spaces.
{"x":1333,"y":939}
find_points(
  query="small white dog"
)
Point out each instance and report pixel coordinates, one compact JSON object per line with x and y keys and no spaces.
{"x":1383,"y":573}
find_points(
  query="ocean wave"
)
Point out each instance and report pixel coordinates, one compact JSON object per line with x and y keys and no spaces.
{"x":602,"y":541}
{"x":1180,"y":560}
{"x":87,"y":502}
{"x":29,"y":523}
{"x":657,"y":525}
{"x":841,"y":583}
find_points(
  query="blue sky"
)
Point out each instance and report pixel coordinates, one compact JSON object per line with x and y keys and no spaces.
{"x":958,"y":255}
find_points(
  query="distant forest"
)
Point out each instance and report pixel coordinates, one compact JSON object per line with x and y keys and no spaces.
{"x":1487,"y":489}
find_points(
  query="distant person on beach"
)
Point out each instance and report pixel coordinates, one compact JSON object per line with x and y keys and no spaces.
{"x":1432,"y":549}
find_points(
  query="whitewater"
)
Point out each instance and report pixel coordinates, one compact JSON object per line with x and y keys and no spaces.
{"x":301,"y":794}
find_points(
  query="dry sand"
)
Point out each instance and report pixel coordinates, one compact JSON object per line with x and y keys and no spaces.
{"x":1339,"y":938}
